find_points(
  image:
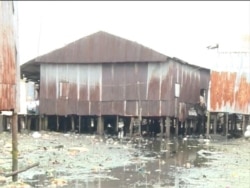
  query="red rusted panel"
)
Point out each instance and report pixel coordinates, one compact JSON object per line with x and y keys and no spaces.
{"x":167,"y":81}
{"x":8,"y":63}
{"x":226,"y":94}
{"x":230,"y":83}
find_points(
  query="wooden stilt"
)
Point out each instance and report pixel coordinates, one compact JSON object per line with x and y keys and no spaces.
{"x":161,"y":126}
{"x":167,"y":123}
{"x":131,"y":126}
{"x":176,"y":127}
{"x":100,"y":125}
{"x":72,"y":123}
{"x":45,"y":122}
{"x":79,"y":124}
{"x":57,"y":123}
{"x":215,"y":123}
{"x":226,"y":124}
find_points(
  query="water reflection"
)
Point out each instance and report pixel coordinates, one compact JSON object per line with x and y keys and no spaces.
{"x":156,"y":162}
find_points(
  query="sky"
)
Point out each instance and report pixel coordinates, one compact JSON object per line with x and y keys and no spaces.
{"x":181,"y":29}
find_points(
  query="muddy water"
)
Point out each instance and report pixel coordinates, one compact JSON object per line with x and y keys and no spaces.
{"x":109,"y":162}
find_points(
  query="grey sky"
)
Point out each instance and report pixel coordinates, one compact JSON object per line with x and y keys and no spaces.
{"x":180,"y":29}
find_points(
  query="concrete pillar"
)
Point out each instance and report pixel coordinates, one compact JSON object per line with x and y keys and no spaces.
{"x":215,"y":123}
{"x":167,"y":123}
{"x":100,"y":125}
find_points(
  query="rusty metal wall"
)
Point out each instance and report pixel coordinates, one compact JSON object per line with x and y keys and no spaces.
{"x":230,"y":83}
{"x":120,"y":89}
{"x":8,"y":66}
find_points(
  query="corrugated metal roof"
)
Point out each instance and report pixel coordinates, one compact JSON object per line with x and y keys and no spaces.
{"x":7,"y":57}
{"x":102,"y":47}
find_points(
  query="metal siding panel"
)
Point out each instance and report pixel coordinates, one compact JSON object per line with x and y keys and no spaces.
{"x":83,"y":107}
{"x":131,"y":108}
{"x":145,"y":108}
{"x":62,"y":106}
{"x":153,"y":81}
{"x":154,"y":108}
{"x":8,"y":63}
{"x":95,"y":74}
{"x":131,"y":85}
{"x":73,"y":89}
{"x":107,"y":108}
{"x":119,"y":107}
{"x":51,"y":80}
{"x":107,"y":82}
{"x":50,"y":105}
{"x":167,"y":85}
{"x":83,"y":82}
{"x":95,"y":108}
{"x":230,"y":83}
{"x":142,"y":76}
{"x":119,"y":82}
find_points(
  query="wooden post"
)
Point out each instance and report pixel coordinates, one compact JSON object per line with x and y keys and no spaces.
{"x":57,"y":123}
{"x":215,"y":123}
{"x":243,"y":124}
{"x":208,"y":124}
{"x":45,"y":122}
{"x":161,"y":125}
{"x":167,"y":123}
{"x":72,"y":123}
{"x":29,"y":122}
{"x":226,"y":124}
{"x":100,"y":125}
{"x":176,"y":127}
{"x":14,"y":146}
{"x":131,"y":126}
{"x":116,"y":123}
{"x":79,"y":122}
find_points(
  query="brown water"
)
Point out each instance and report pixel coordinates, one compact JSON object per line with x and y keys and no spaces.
{"x":146,"y":162}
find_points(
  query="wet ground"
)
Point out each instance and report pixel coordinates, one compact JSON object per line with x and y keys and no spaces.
{"x":91,"y":161}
